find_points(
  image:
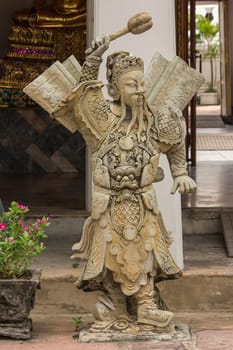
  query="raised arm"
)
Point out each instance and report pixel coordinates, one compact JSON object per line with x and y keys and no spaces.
{"x":90,"y":68}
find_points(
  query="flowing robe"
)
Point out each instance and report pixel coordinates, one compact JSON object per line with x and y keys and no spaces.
{"x":125,"y":232}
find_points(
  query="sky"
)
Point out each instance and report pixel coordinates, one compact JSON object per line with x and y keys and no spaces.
{"x":202,"y":9}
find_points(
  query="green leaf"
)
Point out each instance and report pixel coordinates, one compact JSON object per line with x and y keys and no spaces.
{"x":75,"y":265}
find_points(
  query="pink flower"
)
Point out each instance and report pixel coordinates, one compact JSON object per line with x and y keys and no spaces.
{"x":22,"y":207}
{"x":36,"y":226}
{"x":42,"y":221}
{"x":41,"y":244}
{"x":3,"y":227}
{"x":10,"y":239}
{"x":26,"y":227}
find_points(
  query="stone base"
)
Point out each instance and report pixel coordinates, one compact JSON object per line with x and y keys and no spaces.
{"x":16,"y":329}
{"x":180,"y":332}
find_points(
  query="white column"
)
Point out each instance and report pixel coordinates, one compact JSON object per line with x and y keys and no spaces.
{"x":111,"y":15}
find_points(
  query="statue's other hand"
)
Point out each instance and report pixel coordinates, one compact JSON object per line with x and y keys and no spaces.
{"x":98,"y":46}
{"x":184,"y":183}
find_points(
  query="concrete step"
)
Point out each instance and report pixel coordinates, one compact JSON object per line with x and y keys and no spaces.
{"x":201,"y":220}
{"x":227,"y":224}
{"x":199,"y":290}
{"x":210,"y":221}
{"x":206,"y":285}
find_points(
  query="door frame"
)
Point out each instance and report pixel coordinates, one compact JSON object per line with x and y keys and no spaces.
{"x":186,"y":49}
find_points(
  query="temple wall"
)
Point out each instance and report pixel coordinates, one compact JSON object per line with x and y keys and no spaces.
{"x":30,"y":142}
{"x":7,"y":8}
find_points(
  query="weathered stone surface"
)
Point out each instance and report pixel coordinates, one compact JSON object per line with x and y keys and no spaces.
{"x":178,"y":333}
{"x":20,"y":329}
{"x":17,"y":298}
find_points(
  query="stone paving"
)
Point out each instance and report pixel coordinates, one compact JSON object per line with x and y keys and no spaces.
{"x":215,"y":339}
{"x":210,"y":332}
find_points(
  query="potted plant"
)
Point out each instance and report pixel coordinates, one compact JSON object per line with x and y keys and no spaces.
{"x":208,"y":34}
{"x":20,"y":241}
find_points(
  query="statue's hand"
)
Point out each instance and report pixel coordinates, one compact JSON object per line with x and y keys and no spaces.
{"x":98,"y":46}
{"x":185,"y":184}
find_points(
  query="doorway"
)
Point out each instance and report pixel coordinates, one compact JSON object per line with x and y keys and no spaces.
{"x":203,"y":42}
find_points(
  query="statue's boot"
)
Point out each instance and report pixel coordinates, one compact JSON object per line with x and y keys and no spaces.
{"x":107,"y":309}
{"x":147,"y":308}
{"x":111,"y":310}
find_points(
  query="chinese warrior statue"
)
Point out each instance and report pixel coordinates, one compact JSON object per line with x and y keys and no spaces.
{"x":124,"y":245}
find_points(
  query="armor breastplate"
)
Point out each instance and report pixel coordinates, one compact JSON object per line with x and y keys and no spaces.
{"x":126,"y":167}
{"x":131,"y":163}
{"x":125,"y":162}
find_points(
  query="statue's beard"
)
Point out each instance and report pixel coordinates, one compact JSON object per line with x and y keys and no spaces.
{"x":140,"y":117}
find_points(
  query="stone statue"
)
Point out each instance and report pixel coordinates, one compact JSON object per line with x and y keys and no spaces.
{"x":125,"y":245}
{"x":124,"y":242}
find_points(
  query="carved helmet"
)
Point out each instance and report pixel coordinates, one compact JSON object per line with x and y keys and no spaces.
{"x":117,"y":64}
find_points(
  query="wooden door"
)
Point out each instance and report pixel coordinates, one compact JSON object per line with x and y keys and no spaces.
{"x":186,"y":49}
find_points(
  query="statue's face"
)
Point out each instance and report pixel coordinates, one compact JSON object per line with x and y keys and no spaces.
{"x":132,"y":88}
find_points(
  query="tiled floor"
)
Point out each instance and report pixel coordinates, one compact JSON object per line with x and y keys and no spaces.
{"x":214,"y":142}
{"x":213,"y":172}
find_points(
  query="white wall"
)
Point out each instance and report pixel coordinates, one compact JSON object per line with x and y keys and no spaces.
{"x":112,"y":15}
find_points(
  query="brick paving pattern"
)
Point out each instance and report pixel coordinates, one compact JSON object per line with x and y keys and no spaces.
{"x":214,"y":142}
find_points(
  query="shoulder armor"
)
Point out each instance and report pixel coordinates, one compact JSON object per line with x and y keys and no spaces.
{"x":170,"y":125}
{"x":92,"y":111}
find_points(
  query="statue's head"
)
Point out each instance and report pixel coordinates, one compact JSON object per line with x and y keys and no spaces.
{"x":121,"y":64}
{"x":126,"y":84}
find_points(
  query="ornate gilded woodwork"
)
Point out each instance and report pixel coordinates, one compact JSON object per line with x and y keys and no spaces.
{"x":40,"y":35}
